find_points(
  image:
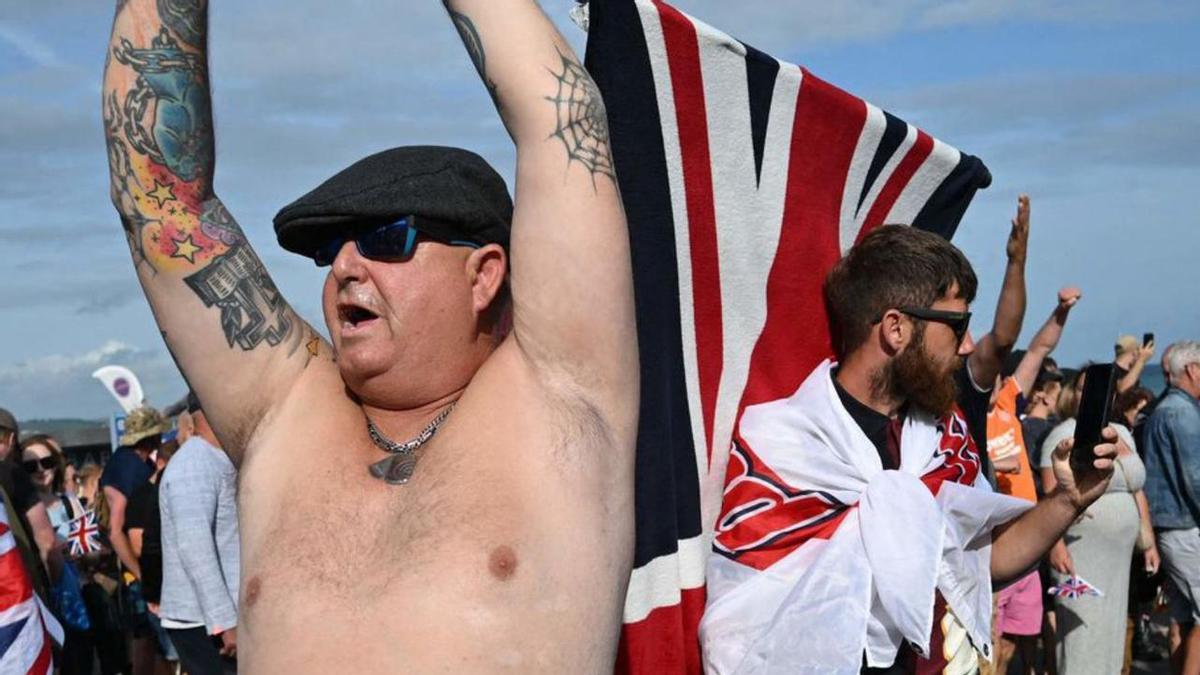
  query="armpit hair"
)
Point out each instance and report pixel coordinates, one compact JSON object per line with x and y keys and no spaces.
{"x":580,"y":424}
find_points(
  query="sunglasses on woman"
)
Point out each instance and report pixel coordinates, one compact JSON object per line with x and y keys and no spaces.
{"x":393,"y":242}
{"x":43,"y":464}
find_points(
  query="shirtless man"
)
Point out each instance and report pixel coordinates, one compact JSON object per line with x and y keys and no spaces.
{"x":510,"y":546}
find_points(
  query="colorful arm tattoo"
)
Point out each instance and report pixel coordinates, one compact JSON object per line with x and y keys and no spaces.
{"x":158,"y":127}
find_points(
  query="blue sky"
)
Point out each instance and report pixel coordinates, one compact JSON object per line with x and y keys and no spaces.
{"x":1091,"y":107}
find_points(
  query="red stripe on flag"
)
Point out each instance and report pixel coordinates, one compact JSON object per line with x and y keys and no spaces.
{"x":15,"y":586}
{"x":44,"y":662}
{"x":666,"y":641}
{"x":795,"y":338}
{"x":895,"y":185}
{"x":687,"y":81}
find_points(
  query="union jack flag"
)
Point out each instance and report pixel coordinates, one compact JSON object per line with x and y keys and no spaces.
{"x":84,"y":534}
{"x":744,"y":178}
{"x":1075,"y":587}
{"x":27,"y":629}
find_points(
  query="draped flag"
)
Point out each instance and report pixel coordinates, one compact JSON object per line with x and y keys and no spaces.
{"x":744,"y":178}
{"x":26,"y":626}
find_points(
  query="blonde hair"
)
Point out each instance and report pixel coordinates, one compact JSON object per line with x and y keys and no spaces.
{"x":89,"y":488}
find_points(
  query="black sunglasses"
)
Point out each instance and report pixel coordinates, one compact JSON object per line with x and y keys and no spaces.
{"x":43,"y":464}
{"x":959,"y":322}
{"x":391,"y":242}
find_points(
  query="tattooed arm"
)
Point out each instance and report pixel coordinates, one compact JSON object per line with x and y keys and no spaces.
{"x":571,"y":279}
{"x":231,"y":333}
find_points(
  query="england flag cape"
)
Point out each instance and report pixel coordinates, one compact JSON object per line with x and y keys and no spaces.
{"x":821,"y":555}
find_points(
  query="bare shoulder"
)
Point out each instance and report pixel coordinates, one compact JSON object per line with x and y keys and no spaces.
{"x":315,"y":403}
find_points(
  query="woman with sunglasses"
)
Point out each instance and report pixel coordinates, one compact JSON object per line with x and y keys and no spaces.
{"x":46,"y":465}
{"x":44,"y":461}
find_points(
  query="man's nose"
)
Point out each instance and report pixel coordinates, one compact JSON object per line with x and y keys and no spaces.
{"x":967,"y":345}
{"x":348,"y":264}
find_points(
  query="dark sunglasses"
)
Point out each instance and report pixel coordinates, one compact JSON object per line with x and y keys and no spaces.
{"x":959,"y":322}
{"x":43,"y":464}
{"x":393,"y":242}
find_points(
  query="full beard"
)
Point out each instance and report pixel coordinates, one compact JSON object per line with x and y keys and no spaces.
{"x":913,"y":375}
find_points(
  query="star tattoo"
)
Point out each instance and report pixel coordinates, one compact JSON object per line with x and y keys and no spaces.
{"x":185,"y":248}
{"x":162,"y":193}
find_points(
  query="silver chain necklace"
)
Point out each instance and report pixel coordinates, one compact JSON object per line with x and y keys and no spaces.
{"x":398,"y":466}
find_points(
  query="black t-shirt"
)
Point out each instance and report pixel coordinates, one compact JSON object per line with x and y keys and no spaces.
{"x":974,"y":404}
{"x":1034,"y":430}
{"x":1119,"y":373}
{"x":142,"y":513}
{"x":874,"y":424}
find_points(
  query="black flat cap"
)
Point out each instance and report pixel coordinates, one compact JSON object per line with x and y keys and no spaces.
{"x":454,"y":194}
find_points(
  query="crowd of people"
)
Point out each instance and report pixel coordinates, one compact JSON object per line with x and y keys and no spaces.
{"x":137,"y":559}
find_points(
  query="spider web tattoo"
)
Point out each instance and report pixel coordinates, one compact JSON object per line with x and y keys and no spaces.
{"x":582,"y":121}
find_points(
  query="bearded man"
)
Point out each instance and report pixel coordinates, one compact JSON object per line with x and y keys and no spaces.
{"x":880,"y":552}
{"x":430,"y":492}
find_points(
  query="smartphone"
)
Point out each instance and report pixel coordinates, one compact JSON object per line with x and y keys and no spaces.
{"x":1094,"y":405}
{"x":1147,"y":338}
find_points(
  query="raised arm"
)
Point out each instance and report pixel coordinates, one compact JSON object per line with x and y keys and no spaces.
{"x":991,"y":349}
{"x":1046,"y":339}
{"x":230,"y":331}
{"x":1145,"y":353}
{"x":571,"y":279}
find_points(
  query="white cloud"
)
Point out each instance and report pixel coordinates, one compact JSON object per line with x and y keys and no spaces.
{"x":61,"y":385}
{"x":57,"y":365}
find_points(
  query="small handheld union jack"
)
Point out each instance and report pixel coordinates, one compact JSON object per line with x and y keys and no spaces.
{"x":84,"y":535}
{"x":1074,"y":587}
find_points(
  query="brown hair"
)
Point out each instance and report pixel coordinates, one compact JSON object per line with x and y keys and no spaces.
{"x":1129,"y":399}
{"x":60,"y":461}
{"x":893,"y":266}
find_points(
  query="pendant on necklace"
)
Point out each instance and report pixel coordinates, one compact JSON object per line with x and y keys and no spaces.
{"x":398,"y":467}
{"x":395,"y":469}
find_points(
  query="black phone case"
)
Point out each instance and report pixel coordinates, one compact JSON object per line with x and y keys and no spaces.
{"x":1095,"y":402}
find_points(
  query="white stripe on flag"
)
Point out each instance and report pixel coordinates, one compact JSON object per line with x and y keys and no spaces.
{"x":864,"y":151}
{"x":940,"y":162}
{"x":749,"y":218}
{"x":658,"y":583}
{"x":910,"y":137}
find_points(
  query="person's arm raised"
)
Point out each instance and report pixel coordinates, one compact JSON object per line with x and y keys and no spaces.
{"x":232,"y":334}
{"x":1046,"y":339}
{"x":572,"y":284}
{"x":988,"y":357}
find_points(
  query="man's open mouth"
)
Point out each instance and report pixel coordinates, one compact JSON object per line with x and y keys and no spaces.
{"x":354,"y":316}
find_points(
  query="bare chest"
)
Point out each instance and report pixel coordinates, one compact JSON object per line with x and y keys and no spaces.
{"x":506,"y":550}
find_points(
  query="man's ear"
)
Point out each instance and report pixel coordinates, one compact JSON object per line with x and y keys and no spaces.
{"x":486,"y":267}
{"x":894,"y":332}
